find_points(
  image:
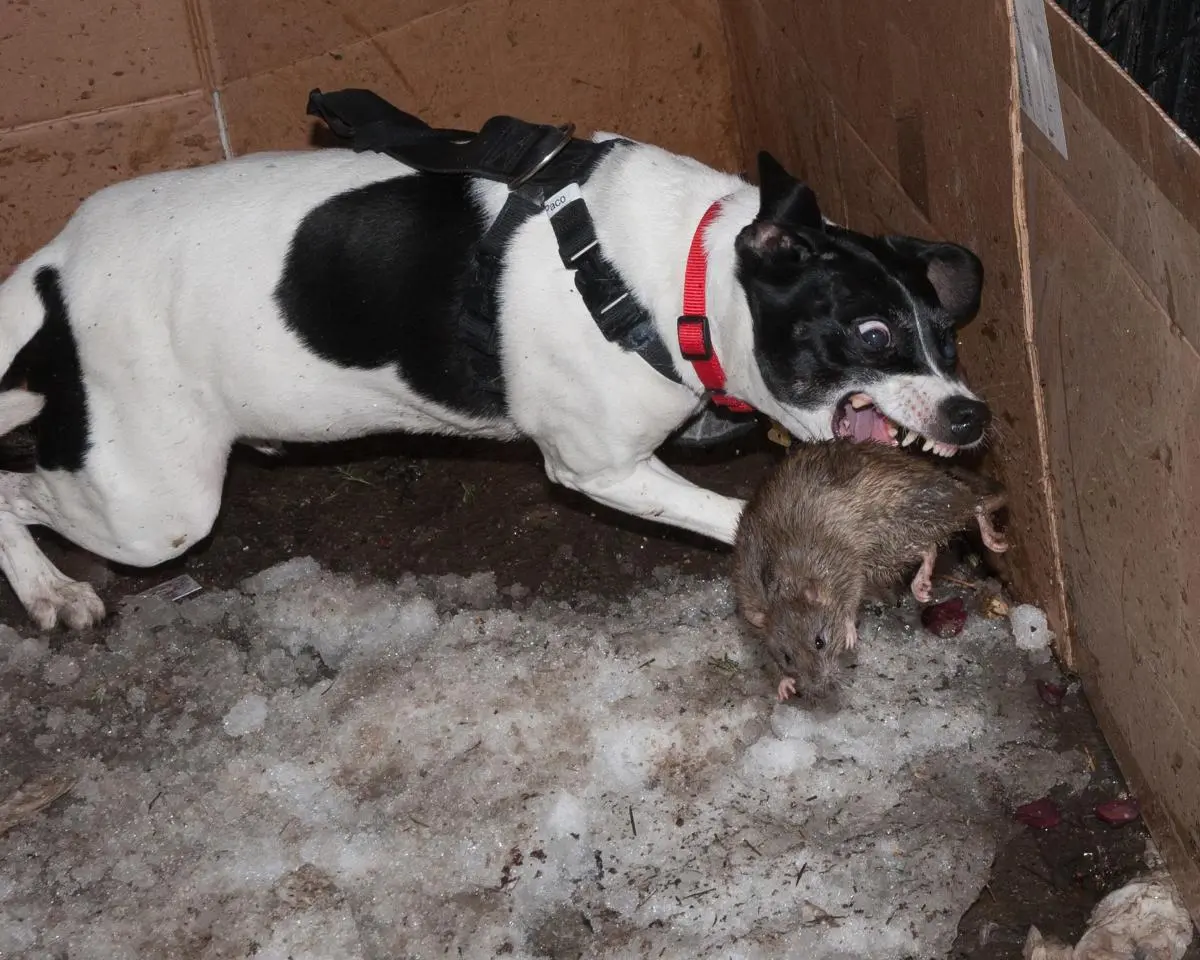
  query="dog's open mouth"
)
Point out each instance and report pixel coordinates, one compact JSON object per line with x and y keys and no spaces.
{"x":858,"y":419}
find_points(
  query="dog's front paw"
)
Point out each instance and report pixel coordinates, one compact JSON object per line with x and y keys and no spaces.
{"x":68,"y":602}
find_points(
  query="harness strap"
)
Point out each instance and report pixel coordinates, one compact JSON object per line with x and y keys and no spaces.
{"x":477,"y":322}
{"x":531,"y":159}
{"x":618,"y":313}
{"x":505,"y":149}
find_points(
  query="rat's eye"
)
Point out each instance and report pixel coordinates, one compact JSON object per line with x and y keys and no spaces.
{"x":875,"y":334}
{"x":819,"y":643}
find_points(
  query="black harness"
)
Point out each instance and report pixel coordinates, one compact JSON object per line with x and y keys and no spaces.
{"x":543,"y":167}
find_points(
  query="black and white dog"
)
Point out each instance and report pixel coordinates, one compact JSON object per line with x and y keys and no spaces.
{"x":316,"y":295}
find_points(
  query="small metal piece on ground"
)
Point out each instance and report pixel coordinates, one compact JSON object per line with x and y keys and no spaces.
{"x":777,"y":434}
{"x":171,"y":590}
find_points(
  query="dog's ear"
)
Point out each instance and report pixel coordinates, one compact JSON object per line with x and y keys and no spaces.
{"x":783,"y":199}
{"x":954,"y":272}
{"x":775,"y":244}
{"x":772,"y":253}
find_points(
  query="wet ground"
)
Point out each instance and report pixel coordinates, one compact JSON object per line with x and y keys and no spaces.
{"x":390,"y":506}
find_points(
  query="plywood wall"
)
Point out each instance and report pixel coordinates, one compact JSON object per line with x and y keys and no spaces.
{"x":901,"y":116}
{"x":96,"y":92}
{"x":1114,"y":231}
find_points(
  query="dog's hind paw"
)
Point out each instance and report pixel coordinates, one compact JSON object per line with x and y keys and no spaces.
{"x":68,"y":602}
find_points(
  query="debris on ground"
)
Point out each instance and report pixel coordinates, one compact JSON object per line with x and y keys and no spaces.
{"x":1144,"y":920}
{"x":994,"y":607}
{"x":1040,"y":814}
{"x":1030,"y":628}
{"x":945,"y":619}
{"x":1051,"y":694}
{"x":1117,"y":813}
{"x":31,"y":797}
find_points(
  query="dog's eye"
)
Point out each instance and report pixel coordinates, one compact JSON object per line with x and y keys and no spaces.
{"x":819,"y":643}
{"x":875,"y":334}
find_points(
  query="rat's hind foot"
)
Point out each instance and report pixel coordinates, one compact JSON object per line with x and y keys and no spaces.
{"x":922,"y":584}
{"x":993,"y":539}
{"x":787,"y":688}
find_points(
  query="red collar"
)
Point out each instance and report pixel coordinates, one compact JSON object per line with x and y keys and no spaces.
{"x":695,"y":343}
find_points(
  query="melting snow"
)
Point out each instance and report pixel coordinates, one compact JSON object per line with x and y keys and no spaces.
{"x":317,"y":769}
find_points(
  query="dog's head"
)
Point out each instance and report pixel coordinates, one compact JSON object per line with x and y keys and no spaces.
{"x":854,"y":335}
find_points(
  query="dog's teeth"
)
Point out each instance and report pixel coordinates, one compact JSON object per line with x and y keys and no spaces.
{"x":910,"y":437}
{"x":860,"y":400}
{"x":892,"y":430}
{"x":927,"y":445}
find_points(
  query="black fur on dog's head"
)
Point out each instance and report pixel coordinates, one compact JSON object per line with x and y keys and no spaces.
{"x":854,"y":335}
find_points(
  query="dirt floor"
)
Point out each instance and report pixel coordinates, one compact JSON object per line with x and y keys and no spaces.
{"x":389,"y":506}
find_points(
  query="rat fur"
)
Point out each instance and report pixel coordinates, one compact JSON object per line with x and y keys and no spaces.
{"x":834,"y":523}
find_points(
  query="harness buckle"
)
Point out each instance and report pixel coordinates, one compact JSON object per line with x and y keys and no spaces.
{"x":565,"y":132}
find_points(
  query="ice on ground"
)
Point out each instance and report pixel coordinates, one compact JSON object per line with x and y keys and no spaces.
{"x":1030,"y":628}
{"x":61,"y":671}
{"x":246,"y":716}
{"x":311,"y":767}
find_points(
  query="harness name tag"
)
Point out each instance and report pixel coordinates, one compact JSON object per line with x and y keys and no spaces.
{"x":564,"y":196}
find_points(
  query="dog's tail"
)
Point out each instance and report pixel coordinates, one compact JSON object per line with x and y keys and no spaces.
{"x":22,"y":314}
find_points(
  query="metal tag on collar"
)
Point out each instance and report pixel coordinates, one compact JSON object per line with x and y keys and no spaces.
{"x":566,"y":131}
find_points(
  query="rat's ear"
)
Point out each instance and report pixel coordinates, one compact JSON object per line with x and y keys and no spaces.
{"x":756,"y":618}
{"x":812,"y":593}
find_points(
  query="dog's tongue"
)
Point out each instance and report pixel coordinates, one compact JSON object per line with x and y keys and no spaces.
{"x":866,"y":424}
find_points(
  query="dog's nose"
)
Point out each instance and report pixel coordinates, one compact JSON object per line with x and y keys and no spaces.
{"x":966,"y":418}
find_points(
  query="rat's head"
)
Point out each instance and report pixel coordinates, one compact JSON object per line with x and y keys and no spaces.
{"x":806,"y":633}
{"x":855,"y":336}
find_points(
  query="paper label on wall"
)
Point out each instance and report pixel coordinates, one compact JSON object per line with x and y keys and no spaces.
{"x":1035,"y":69}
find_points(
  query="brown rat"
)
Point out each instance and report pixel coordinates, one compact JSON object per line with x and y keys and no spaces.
{"x":837,"y":521}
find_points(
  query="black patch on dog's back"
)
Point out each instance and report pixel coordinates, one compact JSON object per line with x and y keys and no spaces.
{"x":377,"y":276}
{"x":49,"y":364}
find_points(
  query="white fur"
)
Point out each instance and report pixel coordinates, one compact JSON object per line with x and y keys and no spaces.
{"x":912,"y":399}
{"x":169,"y":281}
